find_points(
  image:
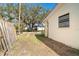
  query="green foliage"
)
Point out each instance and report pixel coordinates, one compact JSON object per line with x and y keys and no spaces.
{"x":7,"y":9}
{"x":30,"y":14}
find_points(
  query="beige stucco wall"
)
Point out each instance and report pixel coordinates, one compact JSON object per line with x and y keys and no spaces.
{"x":70,"y":35}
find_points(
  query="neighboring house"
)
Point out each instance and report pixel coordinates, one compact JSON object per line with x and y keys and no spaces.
{"x":39,"y":26}
{"x":62,"y":24}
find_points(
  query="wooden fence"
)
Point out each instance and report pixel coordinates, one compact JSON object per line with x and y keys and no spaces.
{"x":7,"y":35}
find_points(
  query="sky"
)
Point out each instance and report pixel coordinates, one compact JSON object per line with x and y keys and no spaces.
{"x":48,"y":5}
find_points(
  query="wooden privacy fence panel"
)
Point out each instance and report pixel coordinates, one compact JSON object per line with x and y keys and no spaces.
{"x":8,"y":33}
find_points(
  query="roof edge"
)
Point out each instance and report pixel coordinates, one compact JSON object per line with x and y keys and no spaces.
{"x":54,"y":10}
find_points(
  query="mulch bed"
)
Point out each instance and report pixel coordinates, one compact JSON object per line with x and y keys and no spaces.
{"x":59,"y":48}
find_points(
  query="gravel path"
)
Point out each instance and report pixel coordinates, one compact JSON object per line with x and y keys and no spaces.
{"x":28,"y":45}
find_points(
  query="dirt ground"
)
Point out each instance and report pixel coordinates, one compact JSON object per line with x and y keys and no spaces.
{"x":28,"y":45}
{"x":58,"y":47}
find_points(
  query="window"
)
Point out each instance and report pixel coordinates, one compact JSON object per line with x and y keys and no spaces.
{"x":63,"y":20}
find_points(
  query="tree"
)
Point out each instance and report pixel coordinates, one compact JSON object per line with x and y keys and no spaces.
{"x":31,"y":14}
{"x":10,"y":11}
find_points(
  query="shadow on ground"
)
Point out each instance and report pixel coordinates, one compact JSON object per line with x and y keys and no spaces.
{"x":58,"y":47}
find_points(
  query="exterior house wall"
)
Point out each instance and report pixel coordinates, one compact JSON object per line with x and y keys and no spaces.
{"x":68,"y":35}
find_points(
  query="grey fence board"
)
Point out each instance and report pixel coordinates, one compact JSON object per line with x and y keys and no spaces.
{"x":9,"y":34}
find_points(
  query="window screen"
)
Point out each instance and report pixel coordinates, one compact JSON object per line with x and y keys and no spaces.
{"x":63,"y":20}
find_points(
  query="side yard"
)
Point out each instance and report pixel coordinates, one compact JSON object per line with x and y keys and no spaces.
{"x":28,"y":44}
